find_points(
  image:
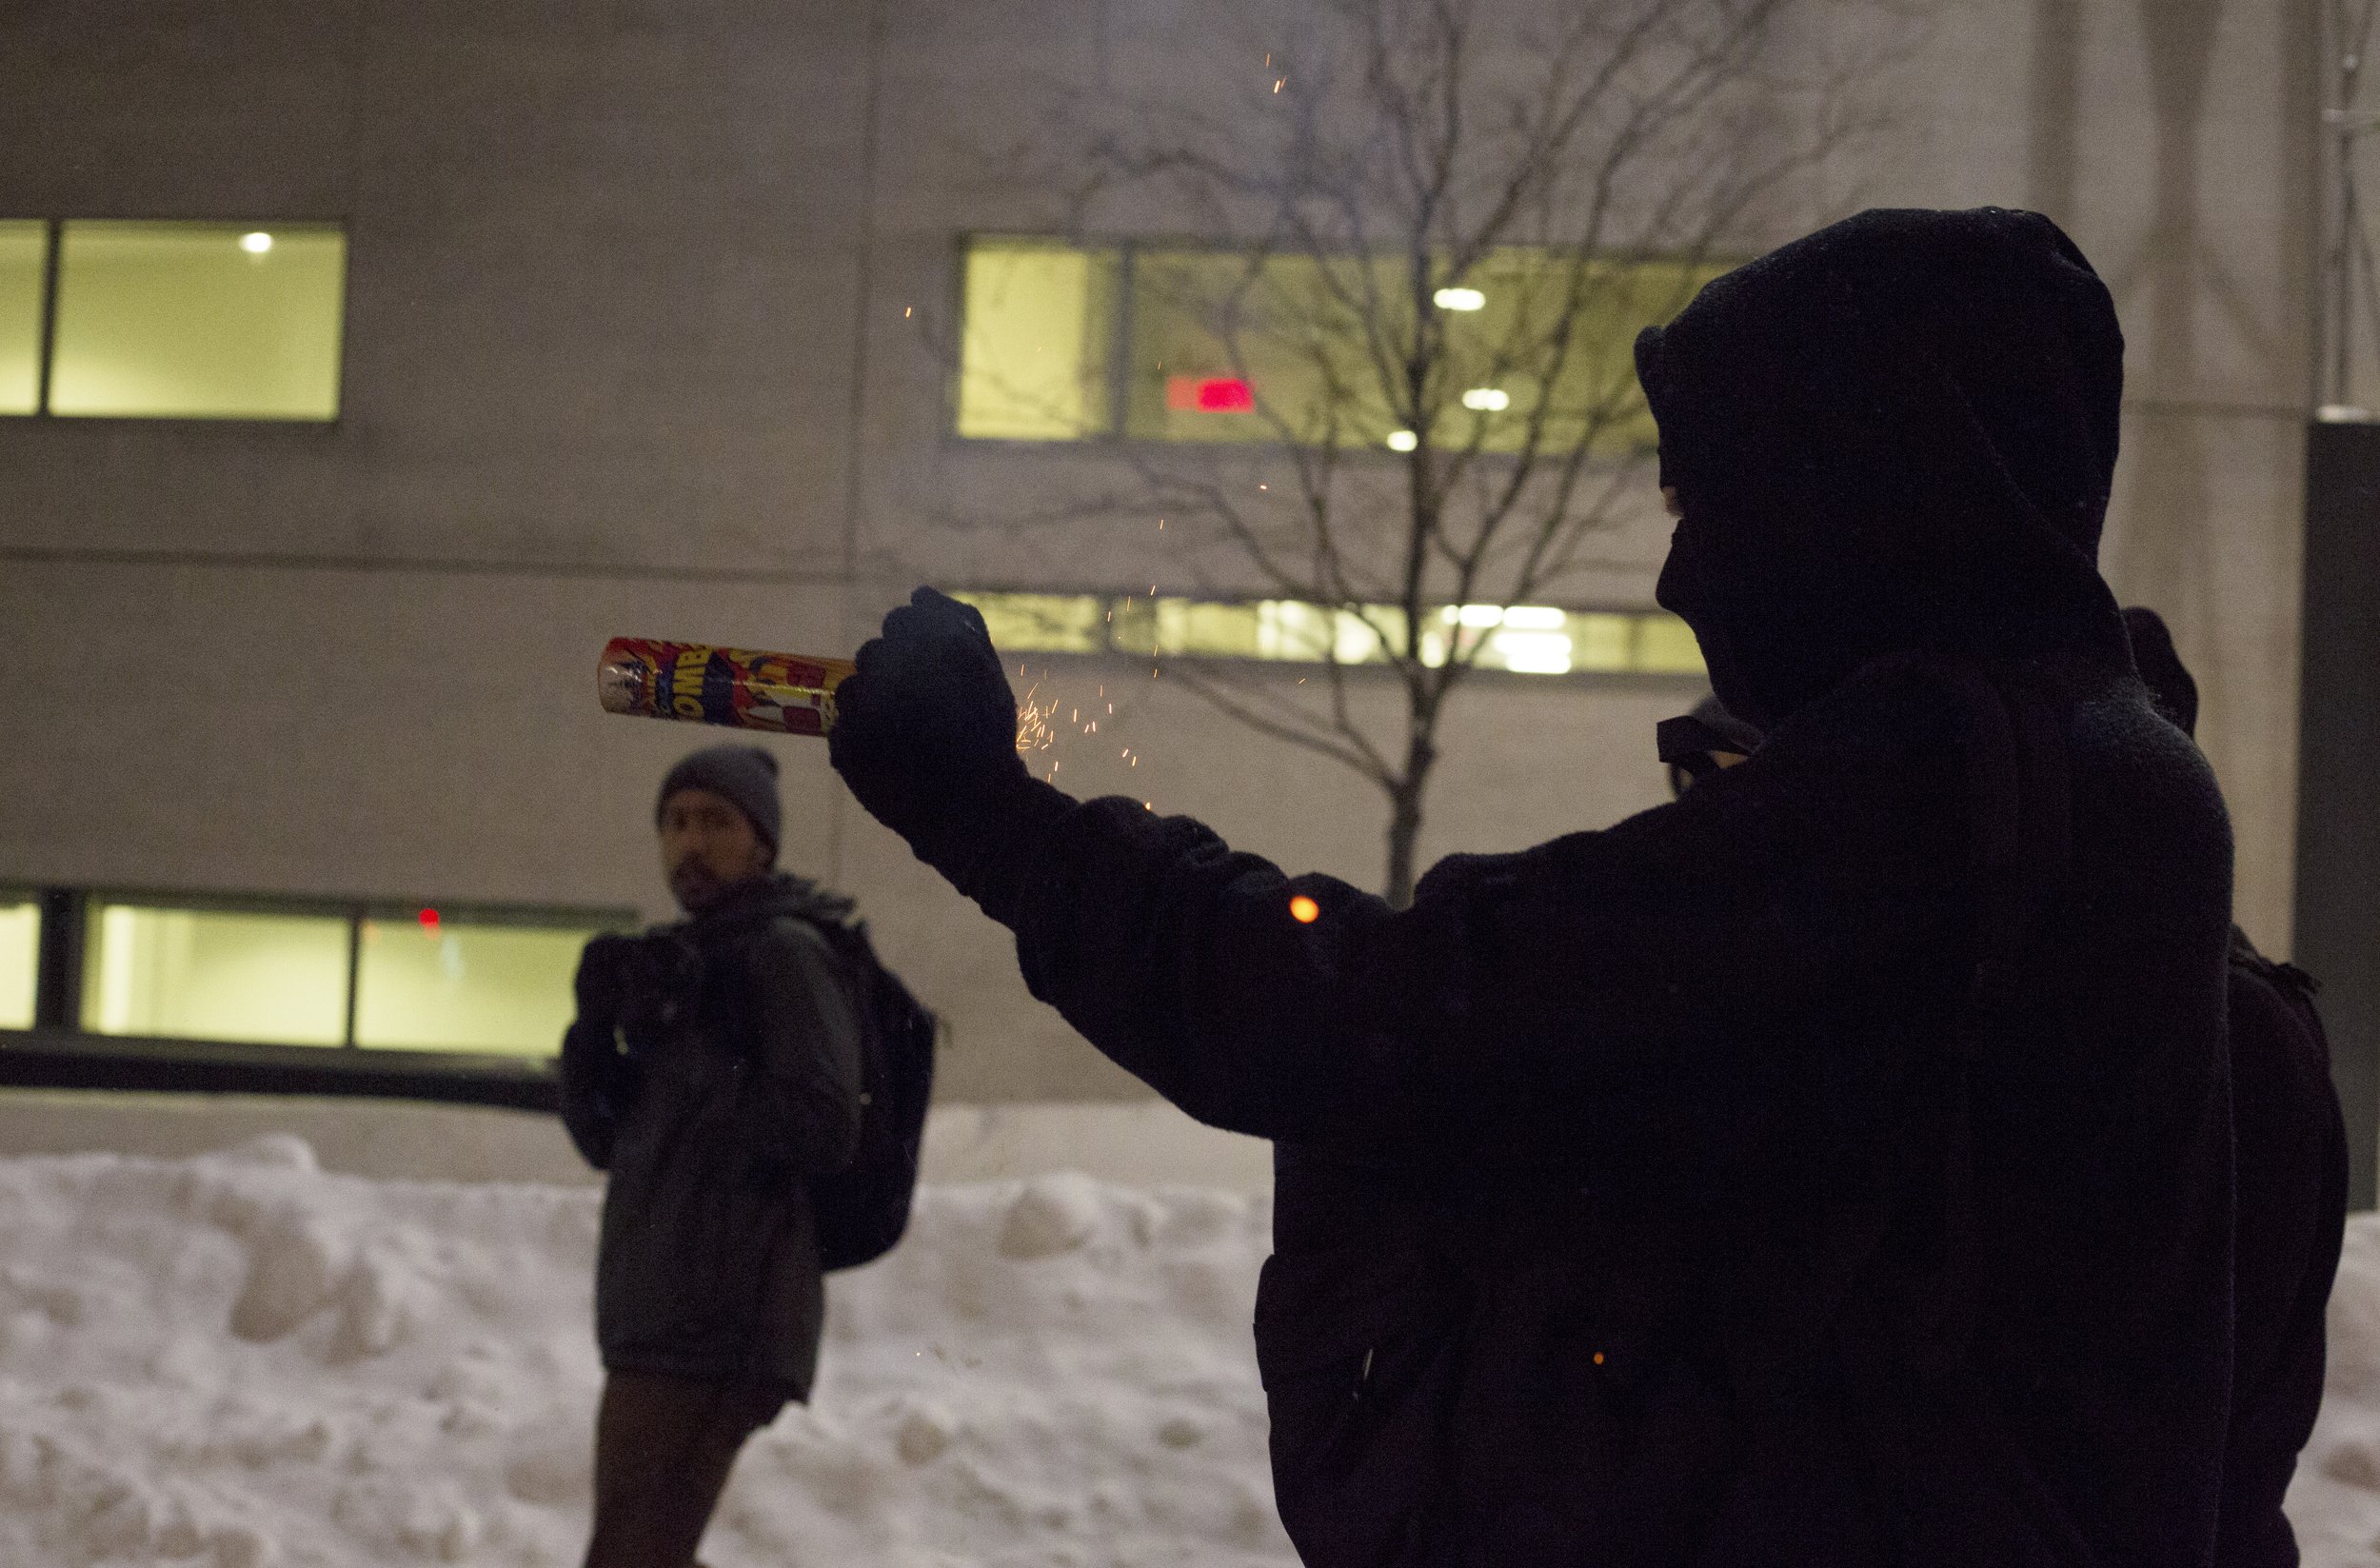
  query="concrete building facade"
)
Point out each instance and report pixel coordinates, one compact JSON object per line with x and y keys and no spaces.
{"x":637,"y":342}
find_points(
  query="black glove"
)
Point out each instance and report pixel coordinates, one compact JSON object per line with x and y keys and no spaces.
{"x":925,"y":736}
{"x":607,"y":975}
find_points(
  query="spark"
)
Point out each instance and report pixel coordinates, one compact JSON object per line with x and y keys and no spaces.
{"x":1277,"y":84}
{"x":1304,"y":910}
{"x":906,"y":311}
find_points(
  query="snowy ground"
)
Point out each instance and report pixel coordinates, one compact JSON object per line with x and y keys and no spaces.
{"x":241,"y":1360}
{"x":238,"y":1361}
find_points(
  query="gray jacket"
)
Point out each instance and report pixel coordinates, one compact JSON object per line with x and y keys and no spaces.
{"x":710,"y":1128}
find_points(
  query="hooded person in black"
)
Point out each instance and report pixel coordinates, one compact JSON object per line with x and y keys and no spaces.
{"x":1832,"y":1166}
{"x":2291,"y":1148}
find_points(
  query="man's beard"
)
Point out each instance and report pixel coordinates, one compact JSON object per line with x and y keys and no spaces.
{"x":696,"y":884}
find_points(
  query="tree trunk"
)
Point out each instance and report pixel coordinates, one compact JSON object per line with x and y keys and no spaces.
{"x":1404,"y":819}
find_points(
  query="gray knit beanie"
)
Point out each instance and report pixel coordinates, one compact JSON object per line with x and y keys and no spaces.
{"x":744,"y":775}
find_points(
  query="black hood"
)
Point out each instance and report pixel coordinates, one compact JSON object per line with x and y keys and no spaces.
{"x":1895,"y":435}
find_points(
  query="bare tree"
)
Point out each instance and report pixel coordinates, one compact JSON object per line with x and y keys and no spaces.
{"x":1441,"y":249}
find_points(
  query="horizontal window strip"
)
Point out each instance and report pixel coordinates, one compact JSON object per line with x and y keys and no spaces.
{"x":1517,"y":639}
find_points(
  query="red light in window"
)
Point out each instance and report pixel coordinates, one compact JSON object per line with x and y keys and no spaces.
{"x":430,"y":919}
{"x":1209,"y":395}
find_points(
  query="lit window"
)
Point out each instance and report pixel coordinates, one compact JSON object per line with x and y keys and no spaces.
{"x":426,"y":982}
{"x":20,"y":961}
{"x":1269,"y":336}
{"x":1666,"y":645}
{"x":198,"y":320}
{"x":1225,"y":346}
{"x":213,"y":974}
{"x":1522,"y":639}
{"x":1033,"y":357}
{"x":1604,"y":641}
{"x":24,"y":249}
{"x":1042,"y":622}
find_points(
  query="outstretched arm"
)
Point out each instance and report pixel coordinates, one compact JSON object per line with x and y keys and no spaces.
{"x":1604,"y":986}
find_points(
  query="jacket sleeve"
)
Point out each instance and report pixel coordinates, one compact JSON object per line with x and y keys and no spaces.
{"x":597,"y":1083}
{"x":800,"y":1099}
{"x":1660,"y":982}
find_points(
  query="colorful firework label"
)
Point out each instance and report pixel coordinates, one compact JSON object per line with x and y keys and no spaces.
{"x":784,"y":693}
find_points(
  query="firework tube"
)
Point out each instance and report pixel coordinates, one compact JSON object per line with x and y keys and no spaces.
{"x":783,"y":693}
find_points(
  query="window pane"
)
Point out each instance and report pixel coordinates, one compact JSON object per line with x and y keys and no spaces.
{"x":20,"y":960}
{"x":204,"y":974}
{"x":454,"y":985}
{"x":1666,"y":645}
{"x":1033,"y":359}
{"x":1042,"y":622}
{"x":1234,"y":347}
{"x":198,"y":320}
{"x":23,"y":247}
{"x":1228,"y":347}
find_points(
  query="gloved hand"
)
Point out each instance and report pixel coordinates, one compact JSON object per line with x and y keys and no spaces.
{"x":609,"y":970}
{"x":925,"y":733}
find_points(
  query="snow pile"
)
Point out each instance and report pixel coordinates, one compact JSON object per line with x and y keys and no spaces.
{"x":2336,"y":1501}
{"x":239,"y":1361}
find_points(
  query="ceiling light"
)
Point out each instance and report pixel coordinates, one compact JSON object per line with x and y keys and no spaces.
{"x":256,"y":244}
{"x":1487,"y":400}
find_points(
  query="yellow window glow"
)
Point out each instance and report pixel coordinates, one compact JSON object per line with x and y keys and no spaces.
{"x":1033,"y":354}
{"x":1041,"y":623}
{"x":1601,"y":641}
{"x":204,"y":974}
{"x":23,"y":248}
{"x":198,"y":321}
{"x":1666,"y":645}
{"x":455,"y":985}
{"x":20,"y":958}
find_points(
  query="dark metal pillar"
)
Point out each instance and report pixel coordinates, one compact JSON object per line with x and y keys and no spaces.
{"x":2337,"y":925}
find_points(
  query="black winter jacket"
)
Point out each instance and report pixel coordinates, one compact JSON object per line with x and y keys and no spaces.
{"x":709,"y":1265}
{"x":1659,"y":1081}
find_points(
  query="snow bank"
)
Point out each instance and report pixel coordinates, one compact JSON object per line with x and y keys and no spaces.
{"x":2335,"y":1500}
{"x":239,"y":1361}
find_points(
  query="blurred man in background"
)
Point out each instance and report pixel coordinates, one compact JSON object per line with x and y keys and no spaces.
{"x":713,"y":1070}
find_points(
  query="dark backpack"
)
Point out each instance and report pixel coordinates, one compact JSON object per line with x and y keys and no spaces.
{"x":863,"y":1208}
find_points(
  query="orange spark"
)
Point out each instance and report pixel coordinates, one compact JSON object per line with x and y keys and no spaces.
{"x":1305,"y":912}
